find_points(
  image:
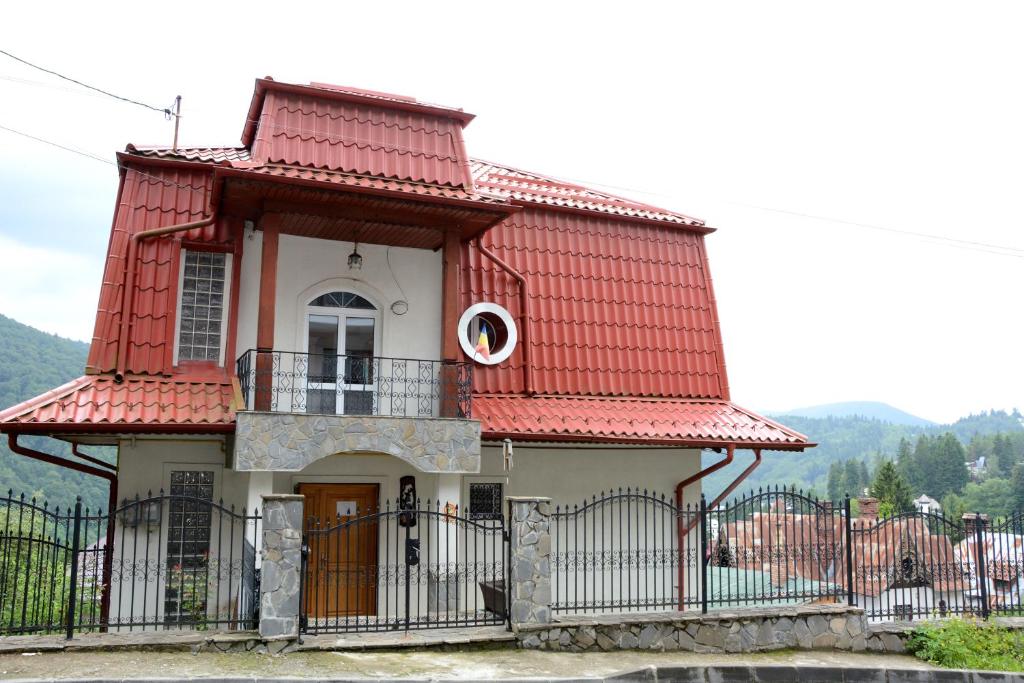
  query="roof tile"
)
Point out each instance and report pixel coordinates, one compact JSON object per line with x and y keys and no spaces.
{"x":626,"y":419}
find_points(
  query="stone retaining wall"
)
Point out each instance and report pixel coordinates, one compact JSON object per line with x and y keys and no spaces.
{"x":755,"y":630}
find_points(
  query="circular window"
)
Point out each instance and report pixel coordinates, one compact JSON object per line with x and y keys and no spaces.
{"x":487,"y":333}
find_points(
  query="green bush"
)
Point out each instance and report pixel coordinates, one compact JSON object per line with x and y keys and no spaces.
{"x":968,"y":644}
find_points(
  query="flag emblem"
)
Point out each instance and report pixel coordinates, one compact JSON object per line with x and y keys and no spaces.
{"x":483,"y":345}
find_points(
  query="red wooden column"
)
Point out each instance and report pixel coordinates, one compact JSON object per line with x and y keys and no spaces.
{"x":450,"y":375}
{"x":265,"y":319}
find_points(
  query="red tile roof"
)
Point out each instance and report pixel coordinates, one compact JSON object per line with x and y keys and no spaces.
{"x":339,"y":178}
{"x":97,"y":402}
{"x":615,"y":308}
{"x":527,"y":186}
{"x":153,"y":198}
{"x":362,"y":136}
{"x":211,"y":155}
{"x":698,"y":423}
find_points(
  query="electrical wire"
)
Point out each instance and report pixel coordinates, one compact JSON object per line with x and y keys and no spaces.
{"x":98,"y":158}
{"x":166,"y":111}
{"x":87,"y":155}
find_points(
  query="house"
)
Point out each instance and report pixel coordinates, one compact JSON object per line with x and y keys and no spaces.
{"x":902,"y":567}
{"x":925,"y":504}
{"x":1003,"y":550}
{"x":349,"y":307}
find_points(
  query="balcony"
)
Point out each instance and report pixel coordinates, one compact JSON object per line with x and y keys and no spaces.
{"x":321,"y":384}
{"x":300,"y":407}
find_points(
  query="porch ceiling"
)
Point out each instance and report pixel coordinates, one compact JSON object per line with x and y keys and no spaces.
{"x":352,"y":216}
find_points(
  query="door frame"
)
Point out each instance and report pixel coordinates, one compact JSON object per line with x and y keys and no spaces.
{"x":313,"y":609}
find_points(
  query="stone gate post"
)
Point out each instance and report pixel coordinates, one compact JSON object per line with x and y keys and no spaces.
{"x":530,"y":573}
{"x":282,"y":563}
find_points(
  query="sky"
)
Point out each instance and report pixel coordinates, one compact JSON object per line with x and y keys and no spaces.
{"x":863,"y":163}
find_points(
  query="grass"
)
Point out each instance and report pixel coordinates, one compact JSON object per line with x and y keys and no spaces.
{"x":968,"y":644}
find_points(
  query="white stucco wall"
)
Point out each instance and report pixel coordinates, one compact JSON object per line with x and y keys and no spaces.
{"x":309,"y":267}
{"x":566,"y":474}
{"x":145,"y":566}
{"x":249,"y":292}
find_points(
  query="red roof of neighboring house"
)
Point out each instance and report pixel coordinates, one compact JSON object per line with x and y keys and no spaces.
{"x":98,"y":403}
{"x":621,"y":419}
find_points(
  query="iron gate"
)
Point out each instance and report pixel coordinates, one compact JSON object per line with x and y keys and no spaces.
{"x":403,"y":567}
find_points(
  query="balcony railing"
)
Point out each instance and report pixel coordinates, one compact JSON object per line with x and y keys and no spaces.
{"x":321,"y":384}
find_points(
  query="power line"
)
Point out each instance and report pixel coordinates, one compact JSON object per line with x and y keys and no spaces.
{"x":96,"y":157}
{"x":87,"y":155}
{"x":163,"y":110}
{"x":950,"y":241}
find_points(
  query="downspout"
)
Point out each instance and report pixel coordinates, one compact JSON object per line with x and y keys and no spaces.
{"x":682,"y":527}
{"x":111,"y":477}
{"x":88,"y":458}
{"x":738,"y":480}
{"x":524,"y":333}
{"x":127,"y":298}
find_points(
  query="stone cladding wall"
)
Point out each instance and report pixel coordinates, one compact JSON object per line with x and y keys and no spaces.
{"x":285,"y":442}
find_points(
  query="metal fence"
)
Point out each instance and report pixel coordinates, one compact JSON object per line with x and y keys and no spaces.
{"x":286,"y":381}
{"x":407,"y":565}
{"x":159,"y":562}
{"x":633,"y":550}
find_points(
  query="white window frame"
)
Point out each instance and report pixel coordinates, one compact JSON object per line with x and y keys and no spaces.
{"x":228,"y":272}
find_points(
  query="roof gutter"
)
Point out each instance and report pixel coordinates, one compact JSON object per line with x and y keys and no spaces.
{"x":127,"y":297}
{"x":524,"y":333}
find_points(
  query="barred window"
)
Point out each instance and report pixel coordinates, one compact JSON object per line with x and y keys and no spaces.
{"x":485,"y":501}
{"x":203,"y":281}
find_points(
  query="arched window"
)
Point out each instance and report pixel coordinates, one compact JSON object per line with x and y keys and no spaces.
{"x":341,"y":336}
{"x":342,"y":300}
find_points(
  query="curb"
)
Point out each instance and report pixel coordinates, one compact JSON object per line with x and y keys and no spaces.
{"x":694,"y":674}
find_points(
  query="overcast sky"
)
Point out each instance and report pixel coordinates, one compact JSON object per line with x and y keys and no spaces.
{"x":783,"y":125}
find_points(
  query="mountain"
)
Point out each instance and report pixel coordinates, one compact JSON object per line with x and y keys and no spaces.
{"x":32,"y":362}
{"x":872,"y":409}
{"x":841,"y":438}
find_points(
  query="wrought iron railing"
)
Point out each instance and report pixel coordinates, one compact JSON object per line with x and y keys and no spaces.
{"x":172,"y":562}
{"x":633,"y":550}
{"x":408,"y":564}
{"x":324,"y":384}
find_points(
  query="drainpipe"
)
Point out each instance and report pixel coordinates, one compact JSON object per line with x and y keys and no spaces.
{"x":111,"y":477}
{"x":524,"y":293}
{"x":738,"y":480}
{"x":682,"y":527}
{"x":127,"y":298}
{"x":88,"y":458}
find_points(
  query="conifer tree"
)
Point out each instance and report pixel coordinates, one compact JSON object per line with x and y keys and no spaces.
{"x":891,"y":490}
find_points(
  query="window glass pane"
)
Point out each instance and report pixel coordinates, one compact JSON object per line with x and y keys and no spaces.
{"x":485,"y":501}
{"x":342,"y":300}
{"x":323,"y":348}
{"x":202,"y":305}
{"x":358,"y":336}
{"x":188,"y":546}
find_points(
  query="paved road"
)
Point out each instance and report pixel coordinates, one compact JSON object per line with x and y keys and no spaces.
{"x":418,"y":665}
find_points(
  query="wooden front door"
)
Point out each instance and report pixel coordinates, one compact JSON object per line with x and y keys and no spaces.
{"x":342,"y":528}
